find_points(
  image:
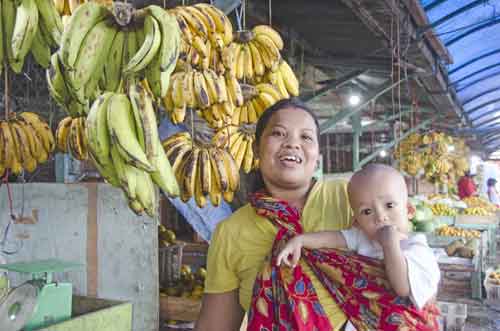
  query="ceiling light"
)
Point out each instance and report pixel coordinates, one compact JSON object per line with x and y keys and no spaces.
{"x":383,"y":153}
{"x":451,"y":148}
{"x":354,"y":99}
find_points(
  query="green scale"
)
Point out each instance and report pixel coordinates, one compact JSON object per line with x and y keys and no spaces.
{"x":39,"y":302}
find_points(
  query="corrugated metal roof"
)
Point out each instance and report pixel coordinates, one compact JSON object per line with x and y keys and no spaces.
{"x":470,"y":29}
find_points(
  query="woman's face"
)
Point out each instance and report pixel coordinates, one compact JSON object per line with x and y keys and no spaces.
{"x":288,"y":149}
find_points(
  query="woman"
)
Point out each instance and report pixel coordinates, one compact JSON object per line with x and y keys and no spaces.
{"x":492,"y":191}
{"x":242,"y":273}
{"x":287,"y":143}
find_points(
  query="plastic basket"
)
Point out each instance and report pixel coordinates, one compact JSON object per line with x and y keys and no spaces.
{"x":453,"y":316}
{"x":170,"y":261}
{"x":492,"y":289}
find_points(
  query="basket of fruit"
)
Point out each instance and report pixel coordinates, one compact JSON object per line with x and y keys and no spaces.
{"x":492,"y":285}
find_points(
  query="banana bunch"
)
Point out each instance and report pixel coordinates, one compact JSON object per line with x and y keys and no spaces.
{"x":257,"y":99}
{"x":284,"y":80}
{"x":202,"y":170}
{"x":124,"y":145}
{"x":28,"y":26}
{"x":25,"y":141}
{"x":478,"y":202}
{"x":477,"y":211}
{"x":441,"y":209}
{"x":202,"y":90}
{"x":71,"y":136}
{"x":239,"y":141}
{"x":97,"y":54}
{"x":452,"y":231}
{"x":439,"y":157}
{"x":206,"y":32}
{"x":254,"y":53}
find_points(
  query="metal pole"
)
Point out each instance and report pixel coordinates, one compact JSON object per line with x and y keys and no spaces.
{"x":357,"y":132}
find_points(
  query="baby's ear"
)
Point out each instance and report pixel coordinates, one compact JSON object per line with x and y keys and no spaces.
{"x":411,"y":211}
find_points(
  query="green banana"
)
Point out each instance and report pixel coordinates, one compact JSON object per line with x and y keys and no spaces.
{"x":141,"y":132}
{"x":113,"y":70}
{"x":163,"y":175}
{"x":40,"y":50}
{"x":136,"y":207}
{"x":82,"y":21}
{"x":97,"y":129}
{"x":93,"y":54}
{"x":170,"y":46}
{"x":130,"y":46}
{"x":120,"y":168}
{"x":9,"y":9}
{"x":56,"y":84}
{"x":107,"y":171}
{"x":50,"y":19}
{"x":24,"y":29}
{"x":148,"y":49}
{"x":146,"y":193}
{"x":123,"y":132}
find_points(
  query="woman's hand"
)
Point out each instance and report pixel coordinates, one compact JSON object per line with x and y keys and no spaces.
{"x":290,"y":255}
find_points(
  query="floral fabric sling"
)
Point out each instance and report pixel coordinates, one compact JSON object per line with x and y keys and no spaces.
{"x":285,"y":299}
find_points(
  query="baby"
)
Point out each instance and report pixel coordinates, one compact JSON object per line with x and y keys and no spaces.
{"x":380,"y":229}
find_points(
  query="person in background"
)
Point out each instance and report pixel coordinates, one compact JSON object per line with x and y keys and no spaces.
{"x":492,"y":191}
{"x":466,"y":186}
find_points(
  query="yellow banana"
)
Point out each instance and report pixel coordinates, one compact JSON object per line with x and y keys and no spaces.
{"x":270,"y":33}
{"x":62,"y":134}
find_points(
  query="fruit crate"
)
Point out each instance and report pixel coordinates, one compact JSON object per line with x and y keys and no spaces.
{"x":453,"y":316}
{"x":179,"y":309}
{"x":460,"y":277}
{"x":489,"y":227}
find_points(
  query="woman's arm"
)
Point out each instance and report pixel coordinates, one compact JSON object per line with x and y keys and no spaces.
{"x":220,"y":312}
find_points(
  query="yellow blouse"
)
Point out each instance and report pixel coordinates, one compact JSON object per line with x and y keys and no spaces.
{"x":241,"y":242}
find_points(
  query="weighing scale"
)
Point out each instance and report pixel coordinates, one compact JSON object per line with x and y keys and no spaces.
{"x":39,"y":302}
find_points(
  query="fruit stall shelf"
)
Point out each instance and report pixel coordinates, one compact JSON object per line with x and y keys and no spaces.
{"x":458,"y":276}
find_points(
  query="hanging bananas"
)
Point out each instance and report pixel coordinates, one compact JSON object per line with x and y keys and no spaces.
{"x":124,"y":145}
{"x":431,"y":156}
{"x":97,"y":54}
{"x":206,"y":32}
{"x":25,"y":141}
{"x":204,"y":172}
{"x":28,"y":26}
{"x":71,"y":137}
{"x":239,"y":141}
{"x":201,"y":90}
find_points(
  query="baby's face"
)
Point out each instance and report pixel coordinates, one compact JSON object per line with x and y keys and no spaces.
{"x":379,"y":200}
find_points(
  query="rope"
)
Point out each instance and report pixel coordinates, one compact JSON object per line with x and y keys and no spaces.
{"x":6,"y":95}
{"x":270,"y":12}
{"x":12,"y":218}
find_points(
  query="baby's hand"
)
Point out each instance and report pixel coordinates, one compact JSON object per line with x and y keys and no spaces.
{"x":389,"y":234}
{"x":290,"y":255}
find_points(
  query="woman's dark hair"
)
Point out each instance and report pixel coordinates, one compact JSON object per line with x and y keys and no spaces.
{"x":282,"y":104}
{"x":491,"y":182}
{"x":257,"y":183}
